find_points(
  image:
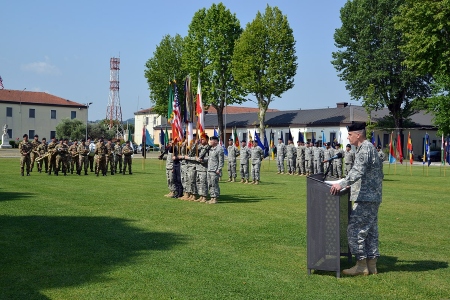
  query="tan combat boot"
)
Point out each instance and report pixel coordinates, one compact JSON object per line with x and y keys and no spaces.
{"x":229,"y":179}
{"x":233,"y":179}
{"x":282,"y":173}
{"x":278,"y":172}
{"x":212,"y":201}
{"x":257,"y":182}
{"x":203,"y":199}
{"x":242,"y":180}
{"x":199,"y":199}
{"x":185,"y":196}
{"x":372,"y":266}
{"x":193,"y":197}
{"x":169,"y":195}
{"x":246,"y":181}
{"x":359,"y":269}
{"x":253,"y":182}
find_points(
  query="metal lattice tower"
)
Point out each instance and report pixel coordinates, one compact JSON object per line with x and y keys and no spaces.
{"x":114,"y":110}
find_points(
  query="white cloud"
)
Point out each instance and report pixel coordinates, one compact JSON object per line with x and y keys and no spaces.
{"x":41,"y":67}
{"x":38,"y":89}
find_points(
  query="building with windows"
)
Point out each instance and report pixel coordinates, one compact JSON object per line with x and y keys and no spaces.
{"x":149,"y":119}
{"x":36,"y":113}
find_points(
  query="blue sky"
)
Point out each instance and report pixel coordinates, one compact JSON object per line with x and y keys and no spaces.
{"x":63,"y":48}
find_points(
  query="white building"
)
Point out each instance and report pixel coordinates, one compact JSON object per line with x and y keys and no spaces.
{"x":149,"y":119}
{"x":36,"y":113}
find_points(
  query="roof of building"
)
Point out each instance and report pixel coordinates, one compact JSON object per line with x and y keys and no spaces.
{"x":237,"y":110}
{"x":35,"y":98}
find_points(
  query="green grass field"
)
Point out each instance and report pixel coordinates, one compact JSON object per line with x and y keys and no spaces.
{"x":117,"y":237}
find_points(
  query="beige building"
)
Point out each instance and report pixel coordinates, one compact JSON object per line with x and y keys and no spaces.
{"x":36,"y":113}
{"x":149,"y":119}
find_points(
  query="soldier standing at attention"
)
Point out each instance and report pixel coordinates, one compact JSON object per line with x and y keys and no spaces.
{"x":91,"y":154}
{"x":184,"y":171}
{"x":110,"y":157}
{"x":61,"y":152}
{"x":127,"y":152}
{"x":309,"y":156}
{"x":328,"y":153}
{"x":349,"y":158}
{"x":73,"y":157}
{"x":34,"y":153}
{"x":366,"y":181}
{"x":301,"y":159}
{"x":215,"y":165}
{"x":381,"y":153}
{"x":42,"y":149}
{"x":25,"y":148}
{"x":337,"y":163}
{"x":118,"y":157}
{"x":101,"y":152}
{"x":233,"y":153}
{"x":291,"y":152}
{"x":83,"y":154}
{"x":191,"y":164}
{"x":176,"y":171}
{"x":257,"y":155}
{"x":243,"y":165}
{"x":318,"y":158}
{"x":169,"y":169}
{"x":281,"y":153}
{"x":68,"y":157}
{"x":51,"y":148}
{"x":202,"y":169}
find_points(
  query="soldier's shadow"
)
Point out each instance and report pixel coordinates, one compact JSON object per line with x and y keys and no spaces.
{"x":41,"y":252}
{"x":11,"y":196}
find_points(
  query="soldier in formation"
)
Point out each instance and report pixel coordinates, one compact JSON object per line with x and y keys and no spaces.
{"x":61,"y":160}
{"x":309,"y":158}
{"x":169,"y":168}
{"x":101,"y":152}
{"x":301,"y":170}
{"x":83,"y":154}
{"x":243,"y":164}
{"x":191,"y":171}
{"x":73,"y":157}
{"x":43,"y":156}
{"x":118,"y":153}
{"x":349,"y":158}
{"x":281,"y":153}
{"x":328,"y":153}
{"x":318,"y":158}
{"x":256,"y":157}
{"x":109,"y":156}
{"x":291,"y":153}
{"x":381,"y":154}
{"x":202,"y":169}
{"x":25,"y":148}
{"x":233,"y":153}
{"x":127,"y":153}
{"x":215,"y":165}
{"x":34,"y":153}
{"x":91,"y":156}
{"x":51,"y":148}
{"x":337,"y":163}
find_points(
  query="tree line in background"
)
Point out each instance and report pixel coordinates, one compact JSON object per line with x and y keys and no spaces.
{"x":76,"y":129}
{"x":229,"y":61}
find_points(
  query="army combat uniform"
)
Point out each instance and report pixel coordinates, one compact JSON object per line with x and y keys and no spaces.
{"x":202,"y":169}
{"x":109,"y":158}
{"x":309,"y":160}
{"x":215,"y":165}
{"x":118,"y":157}
{"x":83,"y":160}
{"x":127,"y":152}
{"x":62,"y":151}
{"x":42,"y":149}
{"x":349,"y":160}
{"x":191,"y":173}
{"x":243,"y":165}
{"x":337,"y":163}
{"x":291,"y":153}
{"x":169,"y":169}
{"x":318,"y":160}
{"x":327,"y":154}
{"x":366,"y":181}
{"x":73,"y":158}
{"x":233,"y":153}
{"x":281,"y":153}
{"x":51,"y":148}
{"x":25,"y":149}
{"x":301,"y":170}
{"x":34,"y":153}
{"x":101,"y":152}
{"x":381,"y":155}
{"x":257,"y":155}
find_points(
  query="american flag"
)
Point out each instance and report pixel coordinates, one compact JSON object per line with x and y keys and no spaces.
{"x":1,"y":83}
{"x":178,"y":131}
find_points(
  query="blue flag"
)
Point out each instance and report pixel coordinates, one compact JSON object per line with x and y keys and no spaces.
{"x":282,"y":140}
{"x":300,"y":137}
{"x":324,"y":141}
{"x":148,"y":139}
{"x":379,"y":141}
{"x":266,"y":146}
{"x":260,"y":144}
{"x":313,"y":139}
{"x":161,"y":137}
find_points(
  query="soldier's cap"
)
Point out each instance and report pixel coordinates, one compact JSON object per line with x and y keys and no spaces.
{"x":337,"y":144}
{"x":75,"y":140}
{"x":328,"y":144}
{"x":255,"y":141}
{"x":379,"y":147}
{"x":356,"y":126}
{"x":299,"y":141}
{"x":170,"y":140}
{"x":194,"y":135}
{"x":36,"y":135}
{"x":83,"y":140}
{"x":61,"y":140}
{"x":66,"y":139}
{"x":44,"y":138}
{"x":214,"y":138}
{"x":280,"y":139}
{"x":349,"y":146}
{"x":127,"y":142}
{"x":230,"y":139}
{"x":243,"y":141}
{"x":206,"y":137}
{"x":25,"y":135}
{"x":54,"y":138}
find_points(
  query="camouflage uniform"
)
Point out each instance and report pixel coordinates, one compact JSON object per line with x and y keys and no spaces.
{"x":202,"y":168}
{"x":184,"y":169}
{"x":118,"y":157}
{"x":61,"y":160}
{"x":169,"y":169}
{"x":127,"y":152}
{"x":257,"y":155}
{"x":101,"y":152}
{"x":349,"y":160}
{"x":73,"y":158}
{"x":91,"y":156}
{"x":110,"y":158}
{"x":233,"y":153}
{"x":366,"y":180}
{"x":243,"y":169}
{"x":83,"y":160}
{"x":215,"y":163}
{"x":42,"y":149}
{"x":318,"y":160}
{"x":337,"y":163}
{"x":34,"y":153}
{"x":328,"y":153}
{"x":291,"y":152}
{"x":381,"y":155}
{"x":191,"y":171}
{"x":301,"y":160}
{"x":51,"y":148}
{"x":281,"y":153}
{"x":309,"y":160}
{"x":25,"y":149}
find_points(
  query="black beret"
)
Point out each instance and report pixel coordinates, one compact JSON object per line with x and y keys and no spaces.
{"x":328,"y":144}
{"x":36,"y":135}
{"x":127,"y":142}
{"x":337,"y":144}
{"x":66,"y":139}
{"x":348,"y":145}
{"x":75,"y":140}
{"x":280,"y":139}
{"x":83,"y":140}
{"x":61,"y":140}
{"x":230,"y":139}
{"x":214,"y":138}
{"x":356,"y":126}
{"x":379,"y":147}
{"x":299,"y":141}
{"x":194,"y":135}
{"x":54,"y":138}
{"x":25,"y":135}
{"x":243,"y":141}
{"x":44,"y":138}
{"x":206,"y":137}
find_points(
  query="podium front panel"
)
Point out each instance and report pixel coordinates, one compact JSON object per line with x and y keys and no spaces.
{"x":327,"y":220}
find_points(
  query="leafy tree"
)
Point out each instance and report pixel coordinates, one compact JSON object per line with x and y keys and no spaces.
{"x":100,"y":129}
{"x":371,"y":62}
{"x":161,"y":68}
{"x":439,"y":104}
{"x":264,"y":60}
{"x":208,"y":50}
{"x":426,"y":28}
{"x":71,"y":129}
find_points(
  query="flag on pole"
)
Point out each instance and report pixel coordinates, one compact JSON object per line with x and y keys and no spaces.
{"x":200,"y":112}
{"x":189,"y":102}
{"x":428,"y":151}
{"x":373,"y":138}
{"x":190,"y":134}
{"x":166,"y":138}
{"x":313,"y":139}
{"x":442,"y":150}
{"x":399,"y":149}
{"x":178,"y":132}
{"x":266,"y":146}
{"x":143,"y":141}
{"x":391,"y":150}
{"x":282,"y":140}
{"x":290,"y":135}
{"x":324,"y":141}
{"x":148,"y":139}
{"x":1,"y":83}
{"x":271,"y":143}
{"x":161,"y":138}
{"x":300,"y":137}
{"x":379,"y":142}
{"x":425,"y":149}
{"x":236,"y":141}
{"x":410,"y":149}
{"x":448,"y":150}
{"x":258,"y":140}
{"x":250,"y":140}
{"x":129,"y":136}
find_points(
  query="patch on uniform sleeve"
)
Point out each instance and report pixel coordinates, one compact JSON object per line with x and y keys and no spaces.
{"x":361,"y":158}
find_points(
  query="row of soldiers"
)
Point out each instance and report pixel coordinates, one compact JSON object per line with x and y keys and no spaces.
{"x":311,"y":158}
{"x":59,"y":156}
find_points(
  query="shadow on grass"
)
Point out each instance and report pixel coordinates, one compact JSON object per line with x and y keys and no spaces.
{"x":241,"y":198}
{"x":10,"y":196}
{"x":384,"y":179}
{"x":39,"y":252}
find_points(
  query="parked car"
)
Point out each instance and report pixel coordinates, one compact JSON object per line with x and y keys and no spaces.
{"x":434,"y":156}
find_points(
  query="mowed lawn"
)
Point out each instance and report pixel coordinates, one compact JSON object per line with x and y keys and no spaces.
{"x":117,"y":237}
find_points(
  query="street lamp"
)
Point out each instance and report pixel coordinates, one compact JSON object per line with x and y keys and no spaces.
{"x":87,"y":115}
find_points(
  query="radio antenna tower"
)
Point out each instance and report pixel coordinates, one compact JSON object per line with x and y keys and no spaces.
{"x":114,"y":110}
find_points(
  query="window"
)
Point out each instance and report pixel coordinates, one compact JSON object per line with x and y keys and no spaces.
{"x":146,"y":121}
{"x":73,"y":115}
{"x":10,"y":133}
{"x":53,"y":114}
{"x":52,"y":134}
{"x":31,"y":134}
{"x":385,"y":140}
{"x":32,"y":113}
{"x":9,"y":111}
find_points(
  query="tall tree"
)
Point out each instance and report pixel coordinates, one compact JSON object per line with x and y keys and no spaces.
{"x":370,"y":60}
{"x":264,"y":60}
{"x":209,"y":47}
{"x":165,"y":64}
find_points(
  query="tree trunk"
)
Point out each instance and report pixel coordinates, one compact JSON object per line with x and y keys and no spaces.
{"x":219,"y":110}
{"x":262,"y":119}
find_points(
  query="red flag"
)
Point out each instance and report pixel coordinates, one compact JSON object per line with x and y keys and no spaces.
{"x":200,"y":113}
{"x":399,"y":149}
{"x":391,"y":150}
{"x":410,"y":149}
{"x":176,"y":125}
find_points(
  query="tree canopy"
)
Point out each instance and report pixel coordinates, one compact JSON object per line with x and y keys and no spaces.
{"x":370,"y":59}
{"x":264,"y":60}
